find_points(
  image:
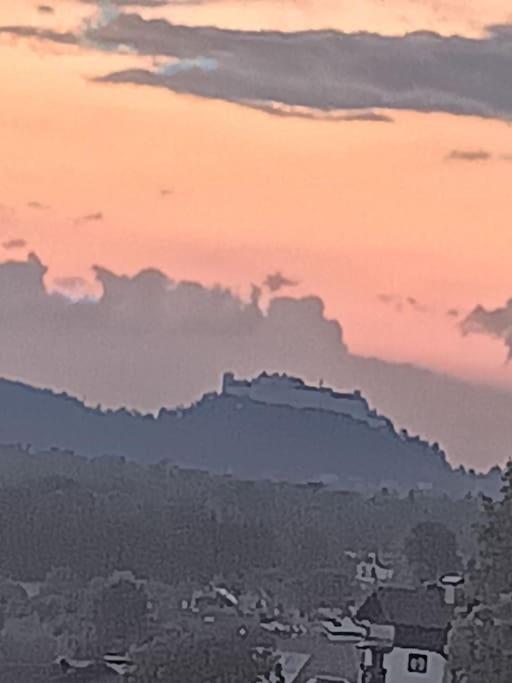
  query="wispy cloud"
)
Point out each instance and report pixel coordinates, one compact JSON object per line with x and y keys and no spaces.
{"x":392,"y":300}
{"x":45,"y":9}
{"x":403,"y":303}
{"x":89,"y":218}
{"x":134,"y":3}
{"x":15,"y":243}
{"x":274,"y":282}
{"x":416,"y":305}
{"x":469,"y":155}
{"x":495,"y":322}
{"x":387,"y":298}
{"x":64,"y":38}
{"x":287,"y":111}
{"x":38,"y":205}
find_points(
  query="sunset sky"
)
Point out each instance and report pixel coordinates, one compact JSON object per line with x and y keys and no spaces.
{"x":398,"y":217}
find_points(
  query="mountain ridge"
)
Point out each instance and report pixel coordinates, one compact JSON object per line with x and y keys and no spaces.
{"x":233,"y":434}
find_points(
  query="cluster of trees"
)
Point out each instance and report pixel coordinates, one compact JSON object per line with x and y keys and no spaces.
{"x":175,"y":527}
{"x":199,"y":657}
{"x":75,"y":619}
{"x":116,"y":614}
{"x":431,"y":551}
{"x":165,"y":523}
{"x":480,"y":642}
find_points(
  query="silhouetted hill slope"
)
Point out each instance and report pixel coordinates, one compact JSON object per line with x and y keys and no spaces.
{"x":225,"y":434}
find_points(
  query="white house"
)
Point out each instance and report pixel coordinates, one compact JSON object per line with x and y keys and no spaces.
{"x":290,"y":391}
{"x":372,"y":571}
{"x":412,"y":664}
{"x":417,"y":621}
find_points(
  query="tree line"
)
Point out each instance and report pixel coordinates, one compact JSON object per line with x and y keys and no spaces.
{"x":165,"y":523}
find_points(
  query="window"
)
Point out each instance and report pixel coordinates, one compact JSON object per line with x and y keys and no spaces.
{"x":417,"y":664}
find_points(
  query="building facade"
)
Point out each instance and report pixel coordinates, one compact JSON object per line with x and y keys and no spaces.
{"x":418,"y":620}
{"x":372,"y":571}
{"x":290,"y":391}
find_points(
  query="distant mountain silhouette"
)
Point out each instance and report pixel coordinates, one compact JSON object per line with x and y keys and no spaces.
{"x":236,"y":435}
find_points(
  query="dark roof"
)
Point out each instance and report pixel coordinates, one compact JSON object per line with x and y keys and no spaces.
{"x":397,"y":606}
{"x":417,"y":637}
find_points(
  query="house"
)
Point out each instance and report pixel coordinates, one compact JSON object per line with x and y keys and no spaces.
{"x":371,"y":570}
{"x":415,"y":622}
{"x":213,"y":598}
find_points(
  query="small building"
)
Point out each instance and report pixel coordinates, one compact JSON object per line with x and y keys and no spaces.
{"x":418,"y":620}
{"x":372,"y":571}
{"x":214,"y":597}
{"x":283,"y":390}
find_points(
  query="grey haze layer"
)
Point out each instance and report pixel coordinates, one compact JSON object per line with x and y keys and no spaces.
{"x":149,"y":342}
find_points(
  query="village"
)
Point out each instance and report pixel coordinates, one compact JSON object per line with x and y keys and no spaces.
{"x":390,"y":633}
{"x":211,"y":579}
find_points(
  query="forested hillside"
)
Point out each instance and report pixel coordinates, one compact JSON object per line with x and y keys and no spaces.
{"x":253,"y":441}
{"x":98,"y":515}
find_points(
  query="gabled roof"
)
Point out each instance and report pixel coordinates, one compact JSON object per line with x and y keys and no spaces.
{"x":398,"y":606}
{"x":419,"y":638}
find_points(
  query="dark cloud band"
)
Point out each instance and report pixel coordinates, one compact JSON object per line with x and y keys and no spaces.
{"x":315,"y":71}
{"x":322,"y":70}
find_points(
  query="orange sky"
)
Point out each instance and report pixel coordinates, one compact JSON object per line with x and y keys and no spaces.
{"x":351,"y":209}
